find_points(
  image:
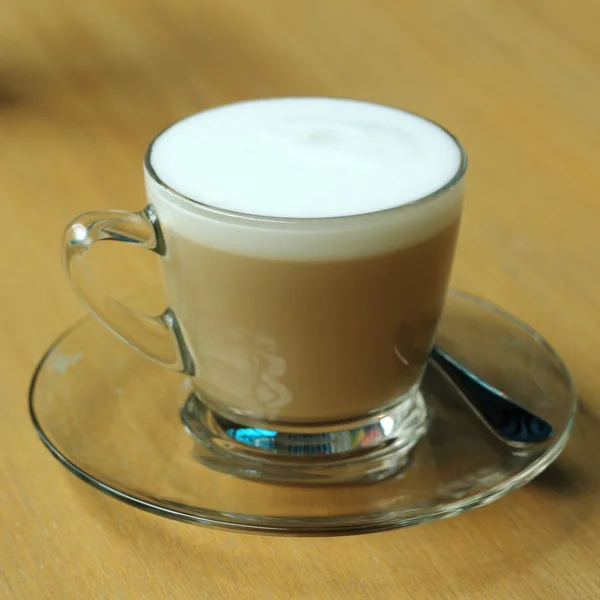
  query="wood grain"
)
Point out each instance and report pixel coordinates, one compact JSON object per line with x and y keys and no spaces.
{"x":83,"y":88}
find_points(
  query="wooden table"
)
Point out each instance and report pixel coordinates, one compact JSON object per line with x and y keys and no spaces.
{"x":83,"y":88}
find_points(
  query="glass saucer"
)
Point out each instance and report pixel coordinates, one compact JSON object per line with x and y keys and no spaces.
{"x":113,"y":419}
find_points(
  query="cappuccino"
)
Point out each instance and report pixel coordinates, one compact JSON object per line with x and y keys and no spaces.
{"x":309,"y":244}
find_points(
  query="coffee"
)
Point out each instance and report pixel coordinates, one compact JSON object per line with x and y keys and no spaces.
{"x":308,"y":273}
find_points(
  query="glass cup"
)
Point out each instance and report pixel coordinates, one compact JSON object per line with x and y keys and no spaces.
{"x":305,"y":340}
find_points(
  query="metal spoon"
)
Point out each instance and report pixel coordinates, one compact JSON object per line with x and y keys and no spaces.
{"x":508,"y":420}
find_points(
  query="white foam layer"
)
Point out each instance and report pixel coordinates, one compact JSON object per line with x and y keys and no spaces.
{"x":305,"y":157}
{"x":302,"y":159}
{"x":327,"y":239}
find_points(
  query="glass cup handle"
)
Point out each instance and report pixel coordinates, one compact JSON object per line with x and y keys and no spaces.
{"x":156,"y":337}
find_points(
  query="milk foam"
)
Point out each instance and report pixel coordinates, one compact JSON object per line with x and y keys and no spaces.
{"x":305,"y":157}
{"x":301,"y":159}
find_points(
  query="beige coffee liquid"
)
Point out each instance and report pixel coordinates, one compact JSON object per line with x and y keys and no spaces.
{"x":297,"y":319}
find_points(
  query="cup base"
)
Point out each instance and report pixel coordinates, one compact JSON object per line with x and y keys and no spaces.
{"x":361,"y":451}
